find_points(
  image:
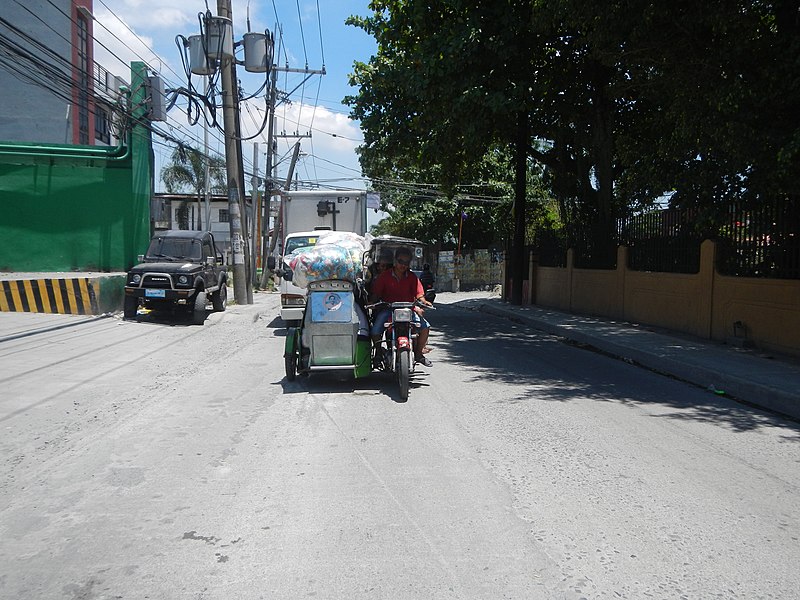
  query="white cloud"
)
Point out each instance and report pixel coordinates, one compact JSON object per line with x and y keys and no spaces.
{"x":117,"y":46}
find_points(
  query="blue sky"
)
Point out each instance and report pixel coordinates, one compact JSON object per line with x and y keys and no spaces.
{"x":146,"y":30}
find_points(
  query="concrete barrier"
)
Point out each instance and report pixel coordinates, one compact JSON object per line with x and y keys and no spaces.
{"x":76,"y":295}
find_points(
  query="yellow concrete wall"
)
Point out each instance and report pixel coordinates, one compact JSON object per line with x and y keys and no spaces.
{"x":768,"y":309}
{"x":705,"y":304}
{"x":677,"y":301}
{"x":552,"y":287}
{"x":669,"y":300}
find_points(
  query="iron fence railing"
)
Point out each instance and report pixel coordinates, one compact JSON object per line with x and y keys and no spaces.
{"x":664,"y":241}
{"x":551,"y":248}
{"x":594,"y":245}
{"x":760,"y":241}
{"x":752,"y":241}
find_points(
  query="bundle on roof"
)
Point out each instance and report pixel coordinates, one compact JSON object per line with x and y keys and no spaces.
{"x":337,"y":255}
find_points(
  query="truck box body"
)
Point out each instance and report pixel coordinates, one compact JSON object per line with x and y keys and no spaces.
{"x":339,"y":210}
{"x":304,"y":213}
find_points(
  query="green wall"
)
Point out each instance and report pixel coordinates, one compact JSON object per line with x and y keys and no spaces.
{"x":76,"y":208}
{"x":64,"y":214}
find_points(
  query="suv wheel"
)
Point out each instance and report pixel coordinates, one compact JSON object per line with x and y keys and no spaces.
{"x":199,"y":312}
{"x":130,"y":307}
{"x":219,"y":299}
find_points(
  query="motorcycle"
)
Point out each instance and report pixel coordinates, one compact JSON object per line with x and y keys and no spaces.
{"x":395,"y":354}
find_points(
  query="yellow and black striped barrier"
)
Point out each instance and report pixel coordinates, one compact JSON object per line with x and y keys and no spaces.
{"x":75,"y":296}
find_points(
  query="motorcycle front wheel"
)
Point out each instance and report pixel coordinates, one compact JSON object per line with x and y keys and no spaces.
{"x":403,"y":370}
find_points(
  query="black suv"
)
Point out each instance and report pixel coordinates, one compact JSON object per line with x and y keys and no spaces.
{"x":181,"y":271}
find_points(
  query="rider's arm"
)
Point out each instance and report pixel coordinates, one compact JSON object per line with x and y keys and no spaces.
{"x":419,"y":295}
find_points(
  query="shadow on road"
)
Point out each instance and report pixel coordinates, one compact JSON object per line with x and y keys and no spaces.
{"x":378,"y":383}
{"x":544,"y":367}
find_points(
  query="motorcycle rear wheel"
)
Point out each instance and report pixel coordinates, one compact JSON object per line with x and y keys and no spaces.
{"x":403,"y":372}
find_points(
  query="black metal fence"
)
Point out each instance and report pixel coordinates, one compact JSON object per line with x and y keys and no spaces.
{"x":665,"y":241}
{"x":551,"y":246}
{"x":761,"y":241}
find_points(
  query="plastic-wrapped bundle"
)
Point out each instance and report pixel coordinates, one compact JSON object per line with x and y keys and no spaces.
{"x":324,"y":261}
{"x":337,"y":255}
{"x":353,"y":242}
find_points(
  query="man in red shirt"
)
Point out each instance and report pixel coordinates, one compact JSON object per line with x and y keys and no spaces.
{"x":399,"y":284}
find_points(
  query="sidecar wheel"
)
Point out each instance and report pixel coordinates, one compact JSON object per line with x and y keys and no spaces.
{"x":403,"y":376}
{"x":290,"y":354}
{"x":291,"y":367}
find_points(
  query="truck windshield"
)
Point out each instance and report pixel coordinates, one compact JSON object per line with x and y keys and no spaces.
{"x":294,"y":243}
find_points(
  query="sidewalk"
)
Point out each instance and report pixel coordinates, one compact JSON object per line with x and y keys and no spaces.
{"x":746,"y":375}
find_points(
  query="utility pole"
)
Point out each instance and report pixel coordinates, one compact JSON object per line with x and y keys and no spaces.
{"x":269,"y":190}
{"x":207,"y":165}
{"x":255,"y":184}
{"x":268,"y":246}
{"x":233,"y":160}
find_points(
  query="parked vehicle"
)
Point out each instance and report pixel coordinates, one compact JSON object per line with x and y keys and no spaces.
{"x":181,"y":272}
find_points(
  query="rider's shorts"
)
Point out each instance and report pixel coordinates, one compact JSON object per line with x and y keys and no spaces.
{"x":383,"y":316}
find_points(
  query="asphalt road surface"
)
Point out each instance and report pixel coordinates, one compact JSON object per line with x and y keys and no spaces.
{"x":156,"y":459}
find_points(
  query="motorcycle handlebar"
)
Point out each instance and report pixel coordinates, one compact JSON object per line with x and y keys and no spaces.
{"x":400,"y":305}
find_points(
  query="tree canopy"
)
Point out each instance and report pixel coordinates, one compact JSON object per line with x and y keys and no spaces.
{"x":627,"y":100}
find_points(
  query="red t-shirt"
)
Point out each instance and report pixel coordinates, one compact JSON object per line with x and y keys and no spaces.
{"x":389,"y":288}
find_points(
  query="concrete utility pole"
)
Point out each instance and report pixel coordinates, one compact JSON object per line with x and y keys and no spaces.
{"x":233,"y":160}
{"x":266,"y":247}
{"x":255,"y":196}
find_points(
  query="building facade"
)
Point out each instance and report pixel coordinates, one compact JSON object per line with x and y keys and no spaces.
{"x":51,"y":90}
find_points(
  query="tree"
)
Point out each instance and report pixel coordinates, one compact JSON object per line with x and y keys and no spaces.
{"x":187,"y":172}
{"x":433,"y":102}
{"x":619,"y":103}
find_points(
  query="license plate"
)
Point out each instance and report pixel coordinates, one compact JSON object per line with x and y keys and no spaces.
{"x":154,"y":294}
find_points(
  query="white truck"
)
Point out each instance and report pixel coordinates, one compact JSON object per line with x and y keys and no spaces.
{"x":304,"y":214}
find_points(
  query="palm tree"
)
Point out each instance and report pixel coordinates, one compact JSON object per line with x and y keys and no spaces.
{"x":187,"y":172}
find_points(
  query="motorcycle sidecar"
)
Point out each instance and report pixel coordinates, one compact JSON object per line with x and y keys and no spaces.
{"x":333,"y":335}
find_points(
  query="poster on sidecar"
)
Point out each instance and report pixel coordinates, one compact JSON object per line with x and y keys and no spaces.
{"x":334,"y":331}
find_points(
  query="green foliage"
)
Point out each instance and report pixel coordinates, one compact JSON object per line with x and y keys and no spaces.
{"x":186,"y":172}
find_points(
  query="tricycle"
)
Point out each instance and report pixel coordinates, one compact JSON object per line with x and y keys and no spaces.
{"x":334,"y":331}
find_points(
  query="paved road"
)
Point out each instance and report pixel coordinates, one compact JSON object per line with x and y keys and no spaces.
{"x":153,"y":460}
